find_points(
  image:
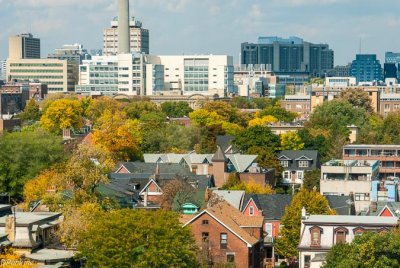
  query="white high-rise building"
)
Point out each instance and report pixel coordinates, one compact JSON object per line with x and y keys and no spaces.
{"x":3,"y":69}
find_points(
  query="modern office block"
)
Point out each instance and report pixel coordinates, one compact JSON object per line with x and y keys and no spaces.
{"x":74,"y":52}
{"x":366,"y":68}
{"x":289,"y":56}
{"x":24,"y":46}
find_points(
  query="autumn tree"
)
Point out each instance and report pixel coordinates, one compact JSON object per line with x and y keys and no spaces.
{"x":252,"y":187}
{"x":98,"y":106}
{"x":267,"y":159}
{"x":262,"y":121}
{"x":139,"y":237}
{"x":9,"y":258}
{"x":367,"y":250}
{"x":61,"y":114}
{"x":135,"y":109}
{"x":390,"y":129}
{"x":31,"y":112}
{"x":358,"y":98}
{"x":257,"y":136}
{"x":314,"y":203}
{"x":176,"y":193}
{"x":278,"y":112}
{"x":118,"y":135}
{"x":291,"y":141}
{"x":23,"y":155}
{"x":312,"y":179}
{"x":175,"y":109}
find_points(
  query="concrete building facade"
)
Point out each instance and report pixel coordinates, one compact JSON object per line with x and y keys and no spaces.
{"x":139,"y":38}
{"x":24,"y":46}
{"x":366,"y":68}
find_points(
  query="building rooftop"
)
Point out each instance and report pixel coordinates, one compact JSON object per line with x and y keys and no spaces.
{"x":372,"y":146}
{"x":23,"y":218}
{"x":349,"y":220}
{"x":351,"y":163}
{"x":234,"y":198}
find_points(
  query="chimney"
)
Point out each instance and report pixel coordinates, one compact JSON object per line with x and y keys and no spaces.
{"x":10,"y":227}
{"x":374,"y":206}
{"x":123,"y":27}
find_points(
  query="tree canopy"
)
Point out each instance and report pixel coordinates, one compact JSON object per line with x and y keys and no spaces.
{"x":314,"y":203}
{"x":176,"y":109}
{"x":139,"y":237}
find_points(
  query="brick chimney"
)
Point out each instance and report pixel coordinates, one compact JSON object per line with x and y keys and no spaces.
{"x":10,"y":227}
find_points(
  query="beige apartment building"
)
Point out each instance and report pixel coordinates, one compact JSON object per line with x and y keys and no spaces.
{"x":58,"y":75}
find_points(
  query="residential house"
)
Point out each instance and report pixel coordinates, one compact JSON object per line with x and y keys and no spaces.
{"x":342,"y":204}
{"x":388,"y":155}
{"x":272,"y":208}
{"x":218,"y":165}
{"x":319,"y":233}
{"x":138,"y":184}
{"x":296,"y":162}
{"x":349,"y":177}
{"x":384,"y":209}
{"x":233,"y":197}
{"x":224,"y":235}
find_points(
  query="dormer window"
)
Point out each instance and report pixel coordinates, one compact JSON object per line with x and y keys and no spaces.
{"x":315,"y":236}
{"x":251,"y":212}
{"x":284,"y":163}
{"x":303,"y":163}
{"x":340,"y":234}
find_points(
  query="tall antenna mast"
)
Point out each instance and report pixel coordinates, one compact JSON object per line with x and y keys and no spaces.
{"x":359,"y":52}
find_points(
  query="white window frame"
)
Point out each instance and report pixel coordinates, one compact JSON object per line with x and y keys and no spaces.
{"x":288,"y":175}
{"x":284,"y":163}
{"x":304,"y":163}
{"x":251,"y":211}
{"x":270,"y":228}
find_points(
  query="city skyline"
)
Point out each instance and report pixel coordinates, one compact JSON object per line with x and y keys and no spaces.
{"x":210,"y":27}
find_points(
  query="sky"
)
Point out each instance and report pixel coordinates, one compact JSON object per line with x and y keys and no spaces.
{"x":211,"y":26}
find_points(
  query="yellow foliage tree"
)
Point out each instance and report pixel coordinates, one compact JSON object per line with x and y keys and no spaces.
{"x":291,"y":141}
{"x":262,"y":121}
{"x":253,"y":187}
{"x":118,"y":135}
{"x":203,"y":118}
{"x":61,"y":114}
{"x":10,"y":259}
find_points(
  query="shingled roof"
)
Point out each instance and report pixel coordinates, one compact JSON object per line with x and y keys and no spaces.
{"x":219,"y":156}
{"x":272,"y":205}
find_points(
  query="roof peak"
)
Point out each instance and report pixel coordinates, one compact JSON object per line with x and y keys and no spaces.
{"x":219,"y":156}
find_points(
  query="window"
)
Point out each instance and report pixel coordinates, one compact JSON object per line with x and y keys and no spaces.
{"x":307,"y":261}
{"x":204,"y":236}
{"x":303,"y":163}
{"x":205,"y":222}
{"x":268,"y":229}
{"x":361,"y":196}
{"x":251,"y":211}
{"x":224,"y":240}
{"x":230,"y":257}
{"x":315,"y":236}
{"x":286,"y":175}
{"x":358,"y":231}
{"x":284,"y":163}
{"x":340,"y":237}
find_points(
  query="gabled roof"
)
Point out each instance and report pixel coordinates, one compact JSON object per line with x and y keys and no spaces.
{"x":242,"y":161}
{"x":233,"y":220}
{"x":225,"y":142}
{"x":303,"y":157}
{"x":272,"y":205}
{"x":234,"y":198}
{"x":342,"y":204}
{"x":293,"y":156}
{"x":219,"y":155}
{"x":283,"y":157}
{"x":147,"y":185}
{"x":393,"y":207}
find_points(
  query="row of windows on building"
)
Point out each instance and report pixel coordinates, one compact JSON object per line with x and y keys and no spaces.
{"x":301,"y":163}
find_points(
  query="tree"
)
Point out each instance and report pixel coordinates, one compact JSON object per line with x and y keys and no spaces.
{"x":358,"y":98}
{"x":252,"y":187}
{"x":32,"y":111}
{"x":205,"y":118}
{"x":262,"y":121}
{"x":137,"y":237}
{"x":312,"y":179}
{"x":316,"y":140}
{"x":267,"y":159}
{"x":223,"y":109}
{"x":23,"y":155}
{"x":291,"y":141}
{"x":390,"y":129}
{"x":98,"y":106}
{"x":10,"y":259}
{"x":278,"y":112}
{"x":368,"y":250}
{"x":175,"y":109}
{"x":61,"y":114}
{"x":135,"y":109}
{"x":314,"y":203}
{"x":176,"y":193}
{"x":208,"y":138}
{"x":119,"y":135}
{"x":257,"y":136}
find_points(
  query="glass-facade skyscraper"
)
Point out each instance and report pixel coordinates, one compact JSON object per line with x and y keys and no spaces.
{"x":289,"y":56}
{"x":366,"y":68}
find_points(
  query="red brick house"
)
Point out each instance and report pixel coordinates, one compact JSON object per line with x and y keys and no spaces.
{"x":225,"y":235}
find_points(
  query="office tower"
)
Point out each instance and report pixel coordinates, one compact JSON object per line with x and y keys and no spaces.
{"x":137,"y":36}
{"x":366,"y":68}
{"x":391,"y":57}
{"x":24,"y":46}
{"x":74,"y":52}
{"x":389,"y":70}
{"x":3,"y":69}
{"x":289,"y":56}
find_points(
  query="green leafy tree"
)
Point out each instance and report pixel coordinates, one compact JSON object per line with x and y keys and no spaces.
{"x":175,"y":109}
{"x":268,"y":159}
{"x":316,"y":140}
{"x":135,"y":109}
{"x":291,"y":141}
{"x":358,"y":98}
{"x":257,"y":136}
{"x":368,"y":250}
{"x":314,"y":203}
{"x":137,"y":238}
{"x":23,"y":155}
{"x":278,"y":112}
{"x":312,"y":179}
{"x":390,"y":129}
{"x":32,"y":111}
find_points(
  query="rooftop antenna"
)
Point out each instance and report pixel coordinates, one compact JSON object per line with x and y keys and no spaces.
{"x":360,"y":47}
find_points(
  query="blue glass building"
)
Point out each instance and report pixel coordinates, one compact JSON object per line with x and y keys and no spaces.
{"x":366,"y":68}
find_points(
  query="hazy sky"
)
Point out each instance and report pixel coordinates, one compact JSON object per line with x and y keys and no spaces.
{"x":210,"y":26}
